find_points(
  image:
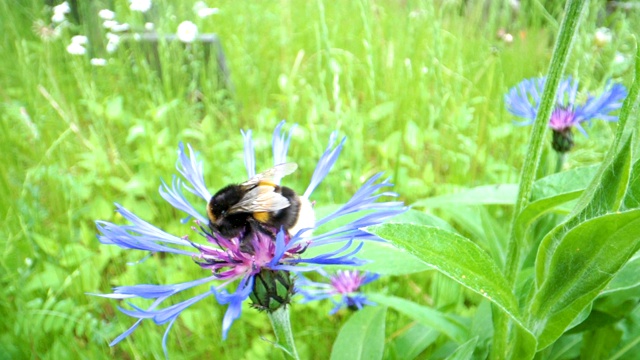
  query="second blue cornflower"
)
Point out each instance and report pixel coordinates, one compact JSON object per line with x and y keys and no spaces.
{"x":523,"y":100}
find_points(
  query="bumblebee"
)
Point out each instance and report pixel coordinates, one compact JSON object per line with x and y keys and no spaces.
{"x":260,"y":204}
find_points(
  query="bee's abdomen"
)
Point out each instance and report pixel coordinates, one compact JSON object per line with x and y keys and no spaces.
{"x":288,"y":216}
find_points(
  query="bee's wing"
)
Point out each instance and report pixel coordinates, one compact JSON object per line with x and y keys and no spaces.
{"x":262,"y":198}
{"x":272,"y":175}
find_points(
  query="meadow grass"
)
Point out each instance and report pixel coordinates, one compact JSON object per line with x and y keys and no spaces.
{"x":416,"y":86}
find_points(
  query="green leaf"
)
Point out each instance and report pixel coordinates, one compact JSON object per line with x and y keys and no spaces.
{"x":486,"y":229}
{"x":599,"y":343}
{"x":442,"y":322}
{"x":585,"y":260}
{"x":114,"y":108}
{"x":465,"y":262}
{"x":455,"y":256}
{"x":632,"y":197}
{"x":414,"y":341}
{"x":552,"y":191}
{"x":567,"y":347}
{"x":573,"y":180}
{"x":627,"y":278}
{"x":362,"y":337}
{"x":464,"y":351}
{"x":421,"y":218}
{"x":387,"y":259}
{"x":629,"y":346}
{"x":504,"y":194}
{"x":603,"y":196}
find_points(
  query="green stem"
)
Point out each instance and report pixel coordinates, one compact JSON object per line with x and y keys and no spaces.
{"x":559,"y":59}
{"x":282,"y":329}
{"x":562,"y":158}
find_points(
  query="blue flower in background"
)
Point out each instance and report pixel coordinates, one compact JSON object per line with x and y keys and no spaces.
{"x":235,"y":267}
{"x":523,"y":100}
{"x":343,"y":289}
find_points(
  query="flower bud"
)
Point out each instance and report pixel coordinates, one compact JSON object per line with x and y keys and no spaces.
{"x":271,"y":290}
{"x":562,"y":140}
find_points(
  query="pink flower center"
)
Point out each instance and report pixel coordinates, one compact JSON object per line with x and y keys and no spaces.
{"x":562,"y":119}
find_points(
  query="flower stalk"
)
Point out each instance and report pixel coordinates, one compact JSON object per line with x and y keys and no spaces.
{"x":566,"y":37}
{"x":282,"y":329}
{"x":560,"y":160}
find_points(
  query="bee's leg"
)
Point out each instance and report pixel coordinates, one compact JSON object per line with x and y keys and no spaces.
{"x":251,"y":230}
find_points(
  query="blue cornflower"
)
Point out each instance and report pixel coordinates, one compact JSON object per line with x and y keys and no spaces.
{"x":343,"y":289}
{"x":250,"y":261}
{"x":523,"y":100}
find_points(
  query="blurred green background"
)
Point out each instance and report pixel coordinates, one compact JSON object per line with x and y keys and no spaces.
{"x":416,"y":86}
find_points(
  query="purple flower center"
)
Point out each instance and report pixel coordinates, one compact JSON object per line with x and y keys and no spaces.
{"x":562,"y":119}
{"x":244,"y":255}
{"x":346,"y":282}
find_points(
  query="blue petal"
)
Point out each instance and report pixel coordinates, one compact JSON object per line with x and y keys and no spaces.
{"x":567,"y":93}
{"x":235,"y":303}
{"x":369,"y":277}
{"x":126,"y":333}
{"x":163,"y":315}
{"x":523,"y":99}
{"x":119,"y":236}
{"x":147,"y":230}
{"x":334,"y":257}
{"x":135,"y":325}
{"x":191,"y":170}
{"x":364,"y":199}
{"x":175,"y":197}
{"x":325,"y":164}
{"x":280,"y":248}
{"x":352,"y":229}
{"x":249,"y":154}
{"x":337,"y":307}
{"x":599,"y":107}
{"x":164,"y":338}
{"x":309,"y":296}
{"x":156,"y":291}
{"x":167,"y":314}
{"x":280,"y":144}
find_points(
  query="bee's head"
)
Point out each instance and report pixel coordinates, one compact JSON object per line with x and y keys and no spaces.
{"x":218,"y":208}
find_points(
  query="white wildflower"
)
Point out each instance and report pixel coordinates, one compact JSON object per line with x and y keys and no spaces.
{"x":63,"y":8}
{"x":58,"y":17}
{"x":203,"y":11}
{"x":187,"y":31}
{"x":113,"y":37}
{"x":106,"y":14}
{"x":120,"y":27}
{"x":108,"y":24}
{"x":114,"y":41}
{"x":98,"y":62}
{"x":140,"y":5}
{"x":59,"y":12}
{"x":80,"y":40}
{"x":602,"y":37}
{"x":111,"y":47}
{"x":199,"y":5}
{"x":619,"y":59}
{"x":76,"y":49}
{"x":149,"y":26}
{"x":206,"y":12}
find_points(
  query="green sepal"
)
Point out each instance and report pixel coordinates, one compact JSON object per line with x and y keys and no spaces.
{"x":271,"y":290}
{"x":562,"y":140}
